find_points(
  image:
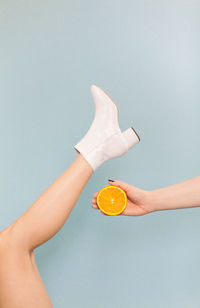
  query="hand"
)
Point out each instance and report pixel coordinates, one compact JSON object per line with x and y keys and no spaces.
{"x":137,"y":200}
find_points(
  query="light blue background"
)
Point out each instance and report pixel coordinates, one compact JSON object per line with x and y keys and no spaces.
{"x":145,"y":54}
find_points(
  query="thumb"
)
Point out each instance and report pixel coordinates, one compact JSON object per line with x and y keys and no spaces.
{"x":126,"y":187}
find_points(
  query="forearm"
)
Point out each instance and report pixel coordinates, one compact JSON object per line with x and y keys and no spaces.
{"x":182,"y":195}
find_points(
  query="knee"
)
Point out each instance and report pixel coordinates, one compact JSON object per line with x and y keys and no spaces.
{"x":6,"y":240}
{"x":10,"y":243}
{"x":14,"y":257}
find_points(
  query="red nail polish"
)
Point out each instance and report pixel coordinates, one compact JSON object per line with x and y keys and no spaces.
{"x":110,"y":180}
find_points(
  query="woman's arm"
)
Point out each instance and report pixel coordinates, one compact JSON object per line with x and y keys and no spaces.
{"x":182,"y":195}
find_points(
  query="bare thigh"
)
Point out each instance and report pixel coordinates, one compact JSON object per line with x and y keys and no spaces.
{"x":21,"y":285}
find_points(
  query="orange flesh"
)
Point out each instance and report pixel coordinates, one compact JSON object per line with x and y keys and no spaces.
{"x":112,"y":200}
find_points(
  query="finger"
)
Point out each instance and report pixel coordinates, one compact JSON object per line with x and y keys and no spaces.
{"x":94,"y":201}
{"x":126,"y":187}
{"x":125,"y":213}
{"x":95,"y":206}
{"x":95,"y":195}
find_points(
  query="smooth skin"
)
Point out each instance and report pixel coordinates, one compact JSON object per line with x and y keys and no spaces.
{"x":181,"y":195}
{"x":20,"y":283}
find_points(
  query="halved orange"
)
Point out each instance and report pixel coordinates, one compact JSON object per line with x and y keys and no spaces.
{"x":112,"y":200}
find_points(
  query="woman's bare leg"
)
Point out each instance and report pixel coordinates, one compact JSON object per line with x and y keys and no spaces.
{"x":20,"y":283}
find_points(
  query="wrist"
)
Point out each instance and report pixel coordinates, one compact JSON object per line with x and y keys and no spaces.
{"x":154,"y":200}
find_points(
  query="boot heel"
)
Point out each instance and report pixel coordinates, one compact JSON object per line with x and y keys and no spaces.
{"x":131,"y":137}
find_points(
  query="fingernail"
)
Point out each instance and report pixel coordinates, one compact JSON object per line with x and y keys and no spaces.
{"x":110,"y":180}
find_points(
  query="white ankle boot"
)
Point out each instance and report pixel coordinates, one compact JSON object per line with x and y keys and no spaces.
{"x":104,"y":139}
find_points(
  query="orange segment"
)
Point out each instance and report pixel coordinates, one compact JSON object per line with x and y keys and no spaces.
{"x":112,"y":200}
